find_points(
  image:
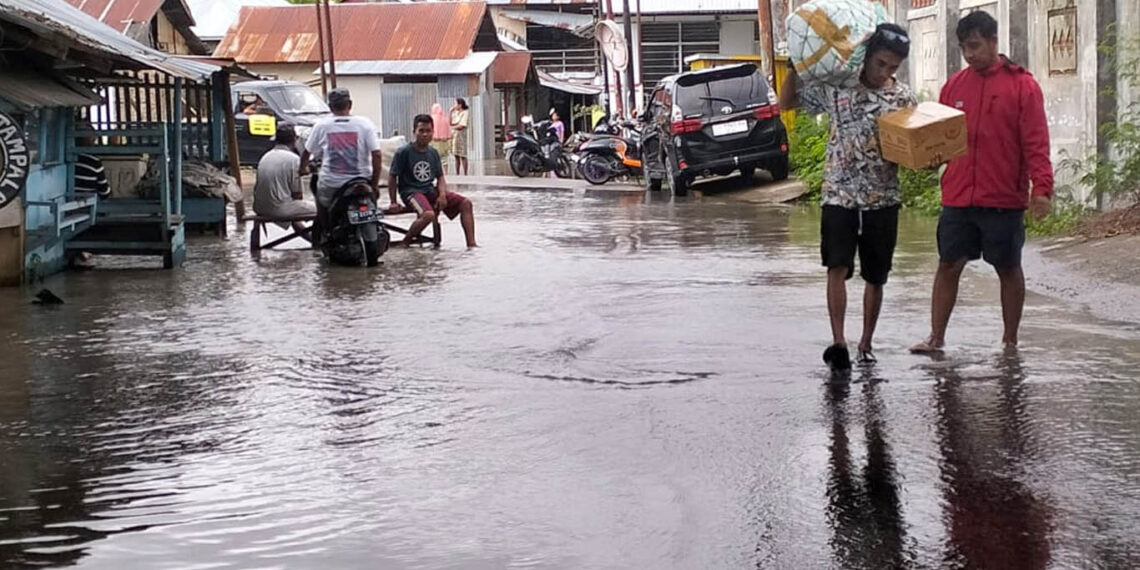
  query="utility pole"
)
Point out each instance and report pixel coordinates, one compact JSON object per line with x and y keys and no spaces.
{"x":767,"y":41}
{"x":627,"y":22}
{"x":329,"y":37}
{"x":321,"y":43}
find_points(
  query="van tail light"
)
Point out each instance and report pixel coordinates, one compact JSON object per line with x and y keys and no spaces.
{"x":686,"y":126}
{"x":784,"y":147}
{"x":766,"y":112}
{"x":682,"y":164}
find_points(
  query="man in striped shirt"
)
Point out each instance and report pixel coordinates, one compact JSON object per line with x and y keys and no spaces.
{"x":90,"y":176}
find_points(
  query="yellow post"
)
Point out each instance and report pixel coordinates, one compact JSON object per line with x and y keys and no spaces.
{"x":789,"y":117}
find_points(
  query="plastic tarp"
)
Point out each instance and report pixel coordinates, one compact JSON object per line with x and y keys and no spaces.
{"x":825,"y":38}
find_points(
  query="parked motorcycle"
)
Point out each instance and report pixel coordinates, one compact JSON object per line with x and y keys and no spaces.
{"x":536,"y":150}
{"x":354,"y":235}
{"x":607,"y":156}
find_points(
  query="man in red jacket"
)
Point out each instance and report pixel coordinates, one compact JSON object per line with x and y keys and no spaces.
{"x":985,"y":193}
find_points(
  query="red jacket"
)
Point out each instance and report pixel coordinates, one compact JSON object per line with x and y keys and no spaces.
{"x":1008,"y":139}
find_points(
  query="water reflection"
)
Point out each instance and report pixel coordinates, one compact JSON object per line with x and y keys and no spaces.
{"x":994,"y":517}
{"x":864,"y":510}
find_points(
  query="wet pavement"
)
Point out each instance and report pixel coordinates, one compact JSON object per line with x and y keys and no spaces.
{"x":611,"y":381}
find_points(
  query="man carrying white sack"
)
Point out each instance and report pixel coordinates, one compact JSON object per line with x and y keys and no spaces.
{"x":860,"y":195}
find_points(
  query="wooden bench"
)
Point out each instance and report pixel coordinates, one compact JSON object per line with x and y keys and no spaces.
{"x":260,"y":222}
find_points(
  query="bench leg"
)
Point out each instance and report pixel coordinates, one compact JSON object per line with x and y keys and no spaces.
{"x":255,"y":237}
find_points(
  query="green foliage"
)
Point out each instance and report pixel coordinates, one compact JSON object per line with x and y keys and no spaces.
{"x":1066,"y":214}
{"x":921,"y":190}
{"x":808,"y":156}
{"x":807,"y":152}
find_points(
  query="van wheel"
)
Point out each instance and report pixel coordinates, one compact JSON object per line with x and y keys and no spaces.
{"x":779,"y":168}
{"x":747,"y":173}
{"x":677,"y":181}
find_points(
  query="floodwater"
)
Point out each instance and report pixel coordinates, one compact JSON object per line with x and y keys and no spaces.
{"x":611,"y":381}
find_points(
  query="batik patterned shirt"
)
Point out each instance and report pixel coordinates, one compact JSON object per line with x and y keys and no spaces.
{"x":856,"y":176}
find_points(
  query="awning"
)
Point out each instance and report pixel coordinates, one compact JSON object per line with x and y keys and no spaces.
{"x":548,"y":80}
{"x":30,"y":90}
{"x":578,"y":24}
{"x":61,"y":23}
{"x":474,"y":64}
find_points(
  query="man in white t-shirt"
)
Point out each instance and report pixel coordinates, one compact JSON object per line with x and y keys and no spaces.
{"x":347,"y":147}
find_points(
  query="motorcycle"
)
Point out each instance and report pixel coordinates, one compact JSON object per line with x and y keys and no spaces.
{"x":609,"y":155}
{"x":536,"y":150}
{"x":352,"y":233}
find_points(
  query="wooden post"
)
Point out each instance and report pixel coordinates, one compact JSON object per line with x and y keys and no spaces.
{"x":330,"y":38}
{"x":321,"y":44}
{"x":767,"y":41}
{"x":232,"y":144}
{"x":176,"y":190}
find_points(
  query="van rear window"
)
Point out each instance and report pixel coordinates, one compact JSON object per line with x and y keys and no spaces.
{"x":739,"y":93}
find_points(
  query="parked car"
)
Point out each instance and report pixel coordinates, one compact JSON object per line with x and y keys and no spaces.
{"x":283,"y":101}
{"x":712,"y":122}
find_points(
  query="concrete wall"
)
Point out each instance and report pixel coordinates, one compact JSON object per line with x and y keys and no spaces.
{"x":1070,"y":95}
{"x":738,"y":36}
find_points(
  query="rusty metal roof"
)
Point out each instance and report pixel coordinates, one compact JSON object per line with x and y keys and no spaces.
{"x":361,"y":32}
{"x":119,"y":13}
{"x":511,"y":68}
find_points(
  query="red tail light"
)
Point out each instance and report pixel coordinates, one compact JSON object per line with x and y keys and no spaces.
{"x":686,"y":126}
{"x":766,"y":112}
{"x":784,"y":147}
{"x":363,"y":208}
{"x":682,"y":164}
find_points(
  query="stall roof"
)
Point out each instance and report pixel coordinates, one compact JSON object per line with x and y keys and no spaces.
{"x":361,"y":32}
{"x":578,"y":24}
{"x":547,"y":80}
{"x":29,"y":90}
{"x":474,"y":64}
{"x":512,"y":67}
{"x":63,"y":24}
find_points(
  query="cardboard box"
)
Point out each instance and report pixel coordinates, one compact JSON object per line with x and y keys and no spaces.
{"x":917,"y":136}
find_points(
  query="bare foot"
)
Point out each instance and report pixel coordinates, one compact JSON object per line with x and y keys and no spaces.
{"x":928,"y":346}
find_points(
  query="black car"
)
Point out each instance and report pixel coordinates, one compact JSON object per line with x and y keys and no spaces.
{"x":712,"y":122}
{"x":283,"y":102}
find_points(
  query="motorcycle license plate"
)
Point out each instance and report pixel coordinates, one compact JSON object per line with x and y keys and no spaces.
{"x":732,"y":128}
{"x":510,"y":144}
{"x":363,"y":216}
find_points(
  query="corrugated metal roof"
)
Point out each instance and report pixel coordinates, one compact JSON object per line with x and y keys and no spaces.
{"x":579,"y":24}
{"x":361,"y":32}
{"x":512,"y":67}
{"x":31,"y":90}
{"x":473,"y":64}
{"x":59,"y":21}
{"x":214,"y":17}
{"x":119,"y":13}
{"x":547,"y":80}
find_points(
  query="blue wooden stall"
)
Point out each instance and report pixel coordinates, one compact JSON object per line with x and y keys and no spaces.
{"x":61,"y":66}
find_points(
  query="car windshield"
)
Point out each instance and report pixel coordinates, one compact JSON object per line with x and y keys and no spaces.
{"x":711,"y":98}
{"x":297,"y":100}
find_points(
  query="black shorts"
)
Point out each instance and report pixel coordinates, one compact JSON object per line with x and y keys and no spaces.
{"x":873,"y":233}
{"x":994,"y":234}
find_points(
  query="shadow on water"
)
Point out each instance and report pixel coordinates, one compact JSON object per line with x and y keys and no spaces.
{"x":994,"y":517}
{"x":863,"y":509}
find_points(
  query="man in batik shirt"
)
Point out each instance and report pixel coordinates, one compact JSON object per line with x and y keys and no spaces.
{"x":860,"y":195}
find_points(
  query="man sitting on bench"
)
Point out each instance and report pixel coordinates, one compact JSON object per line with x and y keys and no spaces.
{"x":417,"y":173}
{"x":277,"y":193}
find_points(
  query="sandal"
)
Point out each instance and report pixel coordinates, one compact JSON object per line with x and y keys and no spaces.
{"x":866,"y":357}
{"x":837,"y":357}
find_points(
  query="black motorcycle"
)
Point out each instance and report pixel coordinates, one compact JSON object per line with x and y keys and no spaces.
{"x":608,"y":155}
{"x":351,"y":233}
{"x":536,"y":150}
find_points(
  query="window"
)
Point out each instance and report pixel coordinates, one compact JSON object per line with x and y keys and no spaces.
{"x":51,"y":137}
{"x":665,"y":45}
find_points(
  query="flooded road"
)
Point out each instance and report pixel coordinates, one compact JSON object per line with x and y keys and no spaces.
{"x":610,"y":382}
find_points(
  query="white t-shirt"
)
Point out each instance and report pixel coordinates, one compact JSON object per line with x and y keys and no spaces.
{"x":344,"y":145}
